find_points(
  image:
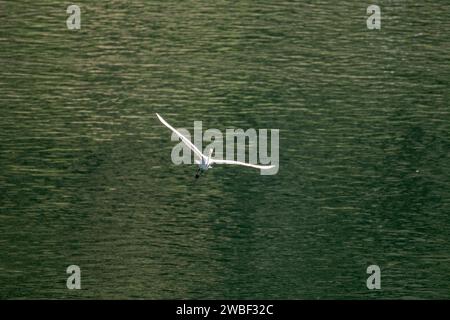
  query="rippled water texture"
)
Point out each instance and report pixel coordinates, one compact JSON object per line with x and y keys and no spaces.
{"x":85,"y":170}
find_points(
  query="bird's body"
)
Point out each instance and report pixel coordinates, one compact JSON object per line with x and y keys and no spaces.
{"x":203,"y":165}
{"x":205,"y":162}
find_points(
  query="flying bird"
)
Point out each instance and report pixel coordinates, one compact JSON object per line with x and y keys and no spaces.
{"x":205,"y":162}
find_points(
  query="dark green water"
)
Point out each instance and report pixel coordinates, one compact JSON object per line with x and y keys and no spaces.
{"x":85,"y":171}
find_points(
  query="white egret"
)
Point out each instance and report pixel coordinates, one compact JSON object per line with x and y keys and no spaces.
{"x":206,"y":162}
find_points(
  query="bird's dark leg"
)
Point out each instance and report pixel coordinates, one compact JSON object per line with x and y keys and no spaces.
{"x":197,"y":174}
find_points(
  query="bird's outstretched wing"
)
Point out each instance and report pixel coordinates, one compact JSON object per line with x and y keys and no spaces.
{"x":257,"y":166}
{"x":183,"y":138}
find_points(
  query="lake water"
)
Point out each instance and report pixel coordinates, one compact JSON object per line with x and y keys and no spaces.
{"x":85,"y":170}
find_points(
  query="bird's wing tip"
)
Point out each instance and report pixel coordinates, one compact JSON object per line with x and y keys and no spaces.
{"x":160,"y":118}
